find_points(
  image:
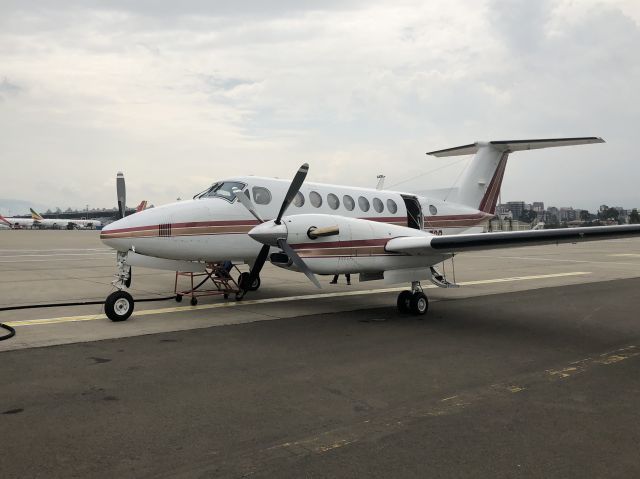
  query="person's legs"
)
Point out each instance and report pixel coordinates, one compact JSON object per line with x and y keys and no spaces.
{"x":348,"y":276}
{"x":334,"y":280}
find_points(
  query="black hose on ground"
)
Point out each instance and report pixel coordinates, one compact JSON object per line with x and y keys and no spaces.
{"x":12,"y":332}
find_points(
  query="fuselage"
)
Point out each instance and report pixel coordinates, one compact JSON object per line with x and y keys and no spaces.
{"x":19,"y":222}
{"x":213,"y":226}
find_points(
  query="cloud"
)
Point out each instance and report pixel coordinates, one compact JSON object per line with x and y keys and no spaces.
{"x":178,"y":93}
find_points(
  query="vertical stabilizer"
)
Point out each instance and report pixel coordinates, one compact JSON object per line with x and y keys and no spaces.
{"x":480,"y":183}
{"x":35,"y":216}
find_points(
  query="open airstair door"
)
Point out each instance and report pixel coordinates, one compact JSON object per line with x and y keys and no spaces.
{"x":414,"y":212}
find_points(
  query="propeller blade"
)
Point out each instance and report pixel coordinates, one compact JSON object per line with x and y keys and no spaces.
{"x":257,"y":266}
{"x":294,"y":187}
{"x":247,"y":203}
{"x":302,"y":266}
{"x":121,"y":191}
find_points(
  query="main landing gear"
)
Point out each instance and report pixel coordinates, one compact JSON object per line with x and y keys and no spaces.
{"x":119,"y":304}
{"x":414,"y":301}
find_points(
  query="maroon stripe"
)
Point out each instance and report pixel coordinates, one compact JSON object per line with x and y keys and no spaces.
{"x":490,"y":198}
{"x":341,"y":244}
{"x":193,"y":224}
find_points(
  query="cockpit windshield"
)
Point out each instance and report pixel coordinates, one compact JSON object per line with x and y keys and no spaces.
{"x":222,"y":189}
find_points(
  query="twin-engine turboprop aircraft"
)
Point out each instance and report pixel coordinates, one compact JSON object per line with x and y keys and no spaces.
{"x":327,"y":229}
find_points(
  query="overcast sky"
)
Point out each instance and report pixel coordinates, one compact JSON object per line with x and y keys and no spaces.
{"x":179,"y":94}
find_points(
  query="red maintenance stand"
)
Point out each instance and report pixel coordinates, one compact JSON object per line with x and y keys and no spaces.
{"x":216,"y":280}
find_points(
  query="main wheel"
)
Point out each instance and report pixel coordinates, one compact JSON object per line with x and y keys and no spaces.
{"x":243,"y":281}
{"x":178,"y":298}
{"x":404,"y":299}
{"x":419,"y":303}
{"x":118,"y":306}
{"x":193,"y":301}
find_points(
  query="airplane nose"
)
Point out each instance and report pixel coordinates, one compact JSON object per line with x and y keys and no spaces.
{"x":110,"y":235}
{"x":269,"y":233}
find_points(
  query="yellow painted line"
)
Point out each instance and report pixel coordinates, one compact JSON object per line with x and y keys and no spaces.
{"x":231,"y":304}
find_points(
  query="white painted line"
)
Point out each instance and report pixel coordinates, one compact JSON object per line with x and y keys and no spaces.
{"x":631,"y":255}
{"x":92,"y":317}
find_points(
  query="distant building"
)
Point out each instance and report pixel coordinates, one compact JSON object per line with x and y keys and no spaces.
{"x":567,"y":214}
{"x":516,"y":208}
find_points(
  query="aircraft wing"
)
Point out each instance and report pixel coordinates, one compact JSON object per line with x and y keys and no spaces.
{"x":420,"y":245}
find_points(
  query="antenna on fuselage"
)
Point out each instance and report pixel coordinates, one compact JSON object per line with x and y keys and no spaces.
{"x":380,"y":184}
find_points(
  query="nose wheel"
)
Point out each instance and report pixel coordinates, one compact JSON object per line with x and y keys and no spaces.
{"x":119,"y":306}
{"x":414,"y":301}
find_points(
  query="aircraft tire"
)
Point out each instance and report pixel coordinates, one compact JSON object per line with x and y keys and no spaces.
{"x":119,"y":306}
{"x":404,"y":299}
{"x":178,"y":298}
{"x":244,"y":278}
{"x":419,"y":304}
{"x":194,"y":301}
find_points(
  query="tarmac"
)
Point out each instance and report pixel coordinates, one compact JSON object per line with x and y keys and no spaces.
{"x":530,"y":369}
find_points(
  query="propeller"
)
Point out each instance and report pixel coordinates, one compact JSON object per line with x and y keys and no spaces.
{"x":274,"y":233}
{"x":247,"y":203}
{"x":294,"y":187}
{"x":297,"y":260}
{"x":121,"y":191}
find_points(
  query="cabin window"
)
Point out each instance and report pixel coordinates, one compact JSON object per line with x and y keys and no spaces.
{"x":433,"y":210}
{"x":333,"y":201}
{"x":363,"y":203}
{"x":392,"y":207}
{"x":316,"y":199}
{"x":298,"y":200}
{"x":348,"y":202}
{"x":261,"y":196}
{"x":377,"y":205}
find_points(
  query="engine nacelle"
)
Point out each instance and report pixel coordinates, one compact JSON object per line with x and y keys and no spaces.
{"x":331,"y":244}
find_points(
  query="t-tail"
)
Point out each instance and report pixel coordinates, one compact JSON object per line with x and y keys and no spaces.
{"x":480,"y":183}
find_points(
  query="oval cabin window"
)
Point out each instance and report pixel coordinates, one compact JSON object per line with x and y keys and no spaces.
{"x":392,"y":207}
{"x":377,"y":205}
{"x":298,"y":200}
{"x":333,"y":201}
{"x":363,"y":203}
{"x":316,"y":199}
{"x":348,"y":202}
{"x":261,"y":196}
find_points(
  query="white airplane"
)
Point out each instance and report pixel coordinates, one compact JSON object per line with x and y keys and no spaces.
{"x":16,"y":223}
{"x":39,"y":221}
{"x":380,"y":234}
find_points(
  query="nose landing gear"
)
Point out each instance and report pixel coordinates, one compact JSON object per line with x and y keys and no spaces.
{"x":414,"y":301}
{"x":119,"y":305}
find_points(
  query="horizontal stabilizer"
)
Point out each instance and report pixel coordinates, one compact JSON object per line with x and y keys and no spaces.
{"x":516,"y":145}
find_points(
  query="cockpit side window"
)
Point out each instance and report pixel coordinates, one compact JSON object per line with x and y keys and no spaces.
{"x":223,"y":190}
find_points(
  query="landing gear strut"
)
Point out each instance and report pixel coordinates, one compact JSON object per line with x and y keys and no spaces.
{"x":414,"y":301}
{"x":119,"y":305}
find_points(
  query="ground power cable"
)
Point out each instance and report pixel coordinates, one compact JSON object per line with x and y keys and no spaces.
{"x":12,"y":331}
